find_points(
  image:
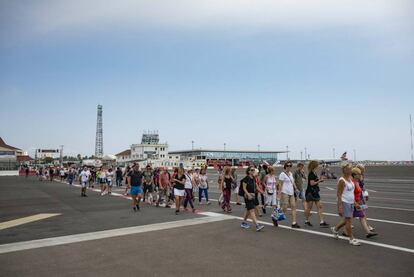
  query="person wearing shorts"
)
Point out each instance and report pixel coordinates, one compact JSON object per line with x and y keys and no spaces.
{"x":84,"y":178}
{"x":312,"y":195}
{"x":248,"y":185}
{"x":288,"y":188}
{"x":135,"y":179}
{"x":299,"y":177}
{"x":109,"y":179}
{"x":179,"y":188}
{"x":164,"y":190}
{"x":346,"y":201}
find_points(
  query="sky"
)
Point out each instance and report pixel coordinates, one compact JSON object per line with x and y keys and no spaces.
{"x":319,"y":75}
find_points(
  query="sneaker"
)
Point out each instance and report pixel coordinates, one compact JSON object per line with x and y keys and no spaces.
{"x":372,"y":234}
{"x":259,"y":227}
{"x":177,"y":212}
{"x":134,"y":208}
{"x":371,"y":228}
{"x":245,"y":225}
{"x":167,"y":206}
{"x":354,"y":242}
{"x":295,"y":226}
{"x":208,"y":203}
{"x":307,"y":223}
{"x":323,"y":225}
{"x":264,"y":210}
{"x":334,"y":232}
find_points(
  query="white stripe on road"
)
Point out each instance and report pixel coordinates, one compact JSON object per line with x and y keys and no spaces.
{"x":371,"y":190}
{"x":336,"y":215}
{"x":376,"y":207}
{"x":26,"y":245}
{"x":330,"y":214}
{"x":389,"y":246}
{"x":330,"y":188}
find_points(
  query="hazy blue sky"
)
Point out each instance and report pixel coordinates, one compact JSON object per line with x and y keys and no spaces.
{"x":315,"y":74}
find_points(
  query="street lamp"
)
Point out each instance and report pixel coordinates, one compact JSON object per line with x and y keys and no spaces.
{"x":192,"y":145}
{"x":287,"y":152}
{"x":333,"y":153}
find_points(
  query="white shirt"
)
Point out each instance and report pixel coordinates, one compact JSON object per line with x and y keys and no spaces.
{"x":84,"y":175}
{"x":109,"y":175}
{"x":287,"y":183}
{"x":202,"y":181}
{"x":348,"y":193}
{"x":188,"y":184}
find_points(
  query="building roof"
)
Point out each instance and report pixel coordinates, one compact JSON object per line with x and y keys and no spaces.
{"x":24,"y":158}
{"x":124,"y":153}
{"x":4,"y":145}
{"x":226,"y":151}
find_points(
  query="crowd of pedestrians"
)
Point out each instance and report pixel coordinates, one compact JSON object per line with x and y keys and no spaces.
{"x":260,"y":189}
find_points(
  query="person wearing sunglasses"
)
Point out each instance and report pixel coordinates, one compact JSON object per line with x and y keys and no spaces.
{"x":288,"y":189}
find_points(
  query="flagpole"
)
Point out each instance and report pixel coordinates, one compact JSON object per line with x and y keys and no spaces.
{"x":411,"y":133}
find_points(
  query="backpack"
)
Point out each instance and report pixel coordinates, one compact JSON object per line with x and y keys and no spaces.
{"x":241,"y":190}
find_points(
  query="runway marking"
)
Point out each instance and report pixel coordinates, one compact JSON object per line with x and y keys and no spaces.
{"x":371,"y":190}
{"x":372,"y":219}
{"x":374,"y":197}
{"x":330,"y":188}
{"x":389,"y":246}
{"x":25,"y":220}
{"x":376,"y":207}
{"x":33,"y":244}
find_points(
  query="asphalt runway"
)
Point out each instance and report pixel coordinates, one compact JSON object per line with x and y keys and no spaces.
{"x":102,"y":236}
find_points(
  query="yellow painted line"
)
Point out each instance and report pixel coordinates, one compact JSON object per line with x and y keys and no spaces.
{"x":24,"y":220}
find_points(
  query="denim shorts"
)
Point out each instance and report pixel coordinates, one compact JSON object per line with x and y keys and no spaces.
{"x":348,"y":210}
{"x":135,"y":190}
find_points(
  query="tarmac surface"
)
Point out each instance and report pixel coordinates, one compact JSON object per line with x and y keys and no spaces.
{"x":102,"y":236}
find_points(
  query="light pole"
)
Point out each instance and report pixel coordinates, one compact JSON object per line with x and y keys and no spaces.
{"x":333,"y":153}
{"x":287,"y":152}
{"x":224,"y":146}
{"x":301,"y":155}
{"x":306,"y":154}
{"x":192,"y":145}
{"x":258,"y":150}
{"x":411,"y":133}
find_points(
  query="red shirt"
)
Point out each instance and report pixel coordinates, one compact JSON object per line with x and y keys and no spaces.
{"x":357,"y":191}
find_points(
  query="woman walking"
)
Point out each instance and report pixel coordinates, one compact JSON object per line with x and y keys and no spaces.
{"x":288,"y":189}
{"x":188,"y":187}
{"x":312,"y":195}
{"x":270,"y":188}
{"x":346,"y":202}
{"x":203,"y":186}
{"x":179,"y":181}
{"x":225,"y":186}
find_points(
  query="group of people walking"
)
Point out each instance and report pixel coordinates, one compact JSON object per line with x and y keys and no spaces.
{"x":260,"y":189}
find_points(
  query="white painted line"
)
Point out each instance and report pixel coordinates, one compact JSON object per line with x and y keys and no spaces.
{"x":330,"y":188}
{"x":336,"y":215}
{"x":389,"y":246}
{"x":24,"y":220}
{"x":371,"y":190}
{"x":376,"y":207}
{"x":26,"y":245}
{"x":370,"y":219}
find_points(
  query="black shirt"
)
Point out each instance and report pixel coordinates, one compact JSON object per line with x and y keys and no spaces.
{"x":312,"y":177}
{"x":227,"y":182}
{"x":136,"y":178}
{"x":251,"y":184}
{"x":179,"y":185}
{"x":119,"y":174}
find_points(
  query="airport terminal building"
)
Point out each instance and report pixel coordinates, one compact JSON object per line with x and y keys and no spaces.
{"x":227,"y":157}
